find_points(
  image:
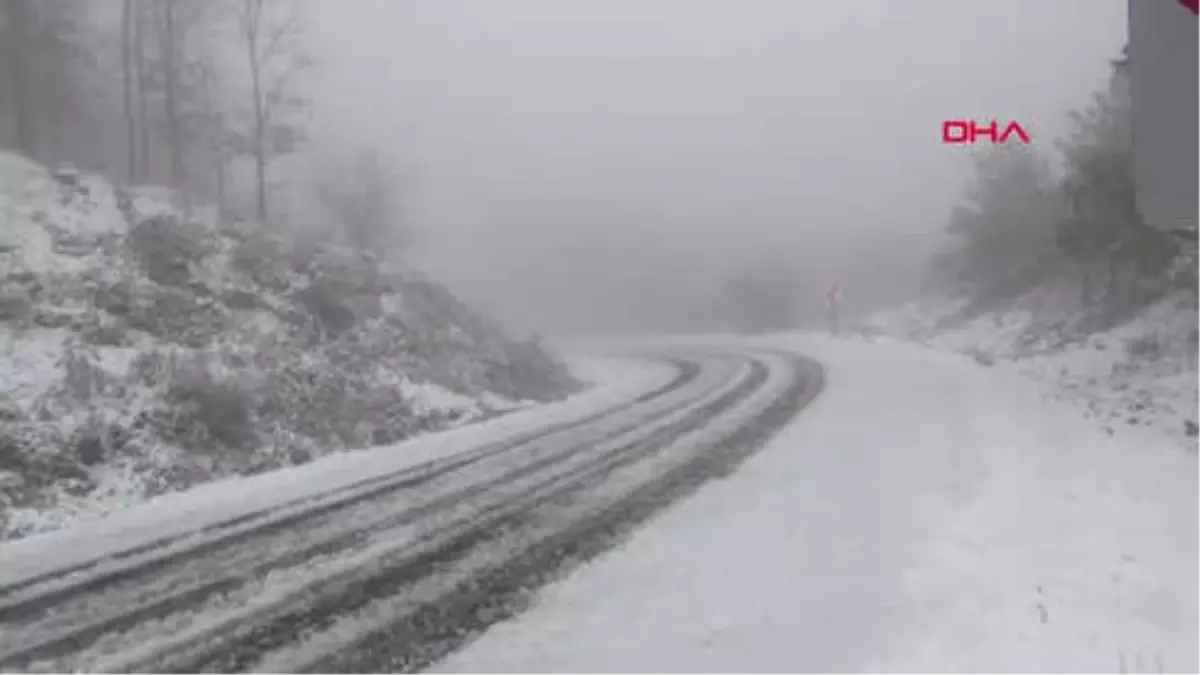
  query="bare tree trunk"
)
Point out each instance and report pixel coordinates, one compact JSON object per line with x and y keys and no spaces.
{"x":127,"y":86}
{"x":19,"y":62}
{"x":170,"y":53}
{"x":269,"y":31}
{"x":143,"y":79}
{"x":253,"y":26}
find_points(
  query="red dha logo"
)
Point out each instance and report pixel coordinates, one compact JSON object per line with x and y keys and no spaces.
{"x":958,"y":132}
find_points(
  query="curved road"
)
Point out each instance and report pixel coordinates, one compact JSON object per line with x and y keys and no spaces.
{"x":393,"y":572}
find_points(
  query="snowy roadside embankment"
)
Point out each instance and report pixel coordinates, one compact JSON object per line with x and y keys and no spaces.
{"x":926,"y":513}
{"x":614,"y":381}
{"x":146,"y":348}
{"x":1140,"y":373}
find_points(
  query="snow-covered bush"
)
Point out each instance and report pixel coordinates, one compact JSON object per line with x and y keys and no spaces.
{"x":1144,"y":346}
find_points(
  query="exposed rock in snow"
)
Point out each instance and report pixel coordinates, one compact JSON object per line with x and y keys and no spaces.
{"x":145,"y":347}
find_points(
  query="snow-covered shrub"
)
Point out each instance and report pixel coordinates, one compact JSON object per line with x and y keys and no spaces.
{"x":265,"y":260}
{"x":327,"y":307}
{"x":166,"y":249}
{"x":212,"y":412}
{"x":1145,"y":346}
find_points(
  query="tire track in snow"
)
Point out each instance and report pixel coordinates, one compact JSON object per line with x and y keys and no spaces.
{"x":62,"y":631}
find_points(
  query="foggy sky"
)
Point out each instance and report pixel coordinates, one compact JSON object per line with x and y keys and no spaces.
{"x":576,"y":162}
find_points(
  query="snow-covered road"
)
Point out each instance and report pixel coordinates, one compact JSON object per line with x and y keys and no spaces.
{"x":617,"y":381}
{"x":926,"y":513}
{"x":323,"y":569}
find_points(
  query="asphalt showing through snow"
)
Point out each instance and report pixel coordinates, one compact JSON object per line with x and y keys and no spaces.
{"x":396,"y":571}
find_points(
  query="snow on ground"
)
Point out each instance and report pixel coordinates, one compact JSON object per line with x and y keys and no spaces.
{"x":1140,"y":373}
{"x":428,"y":397}
{"x":1042,"y":320}
{"x":926,"y":513}
{"x":31,"y":361}
{"x":615,"y":380}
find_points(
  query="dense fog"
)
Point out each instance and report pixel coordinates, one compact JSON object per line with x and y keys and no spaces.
{"x":570,"y":167}
{"x":620,"y":165}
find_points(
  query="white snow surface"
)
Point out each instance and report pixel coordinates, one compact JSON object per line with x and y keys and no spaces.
{"x":188,"y":511}
{"x":926,"y":513}
{"x":1142,"y":373}
{"x":31,"y":359}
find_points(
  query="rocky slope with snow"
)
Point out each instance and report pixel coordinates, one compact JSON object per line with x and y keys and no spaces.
{"x":147,"y":345}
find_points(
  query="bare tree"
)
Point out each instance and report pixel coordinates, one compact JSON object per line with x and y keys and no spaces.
{"x":212,"y":129}
{"x":176,"y":65}
{"x":172,"y":23}
{"x":48,"y":71}
{"x":162,"y":109}
{"x":360,"y":192}
{"x":127,"y":85}
{"x":270,"y":30}
{"x":142,"y":74}
{"x":19,"y":21}
{"x":169,"y":27}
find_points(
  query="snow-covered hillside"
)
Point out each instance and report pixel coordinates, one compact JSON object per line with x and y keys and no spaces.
{"x":1140,"y":371}
{"x":147,"y":345}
